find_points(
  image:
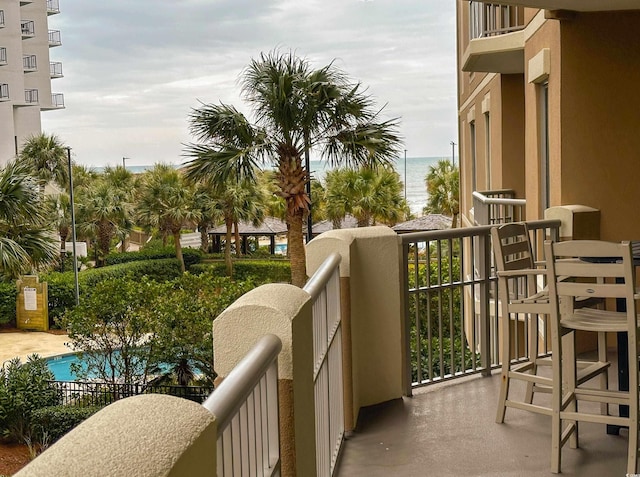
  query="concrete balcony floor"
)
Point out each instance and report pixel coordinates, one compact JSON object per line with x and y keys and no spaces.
{"x":449,"y":429}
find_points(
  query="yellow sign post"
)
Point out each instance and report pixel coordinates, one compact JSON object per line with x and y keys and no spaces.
{"x":32,"y":304}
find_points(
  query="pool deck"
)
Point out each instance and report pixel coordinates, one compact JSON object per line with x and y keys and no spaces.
{"x":24,"y":343}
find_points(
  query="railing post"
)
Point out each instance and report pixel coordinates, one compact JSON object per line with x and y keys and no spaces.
{"x":484,"y":269}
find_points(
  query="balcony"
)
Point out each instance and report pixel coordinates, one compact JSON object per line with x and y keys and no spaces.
{"x":581,"y":6}
{"x":31,"y":96}
{"x":4,"y":92}
{"x":496,"y":39}
{"x":29,"y":63}
{"x":28,"y":29}
{"x":55,"y":69}
{"x":359,"y":330}
{"x":3,"y":56}
{"x":1,"y":18}
{"x":25,"y":2}
{"x":53,"y":7}
{"x":57,"y":101}
{"x":54,"y":38}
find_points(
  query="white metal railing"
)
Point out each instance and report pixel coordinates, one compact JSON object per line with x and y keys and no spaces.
{"x":28,"y":28}
{"x":31,"y":96}
{"x":57,"y":100}
{"x":3,"y":54}
{"x":54,"y":38}
{"x":246,"y":408}
{"x":491,"y":19}
{"x":29,"y":63}
{"x":53,"y":7}
{"x":495,"y":207}
{"x":4,"y":91}
{"x":1,"y":18}
{"x":324,"y":288}
{"x":55,"y":69}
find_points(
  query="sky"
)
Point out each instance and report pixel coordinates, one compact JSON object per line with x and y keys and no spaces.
{"x":134,"y":69}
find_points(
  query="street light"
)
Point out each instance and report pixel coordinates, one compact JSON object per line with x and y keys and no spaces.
{"x":123,"y":162}
{"x":73,"y":227}
{"x":453,"y":154}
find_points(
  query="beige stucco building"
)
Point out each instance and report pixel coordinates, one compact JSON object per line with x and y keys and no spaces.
{"x":549,"y":106}
{"x":26,"y":70}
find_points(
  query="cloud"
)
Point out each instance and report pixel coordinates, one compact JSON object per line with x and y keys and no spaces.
{"x":134,"y":70}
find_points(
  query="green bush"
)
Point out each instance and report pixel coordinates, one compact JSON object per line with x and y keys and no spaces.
{"x":24,"y":387}
{"x":8,"y":294}
{"x":191,"y":256}
{"x":51,"y":423}
{"x":260,"y":271}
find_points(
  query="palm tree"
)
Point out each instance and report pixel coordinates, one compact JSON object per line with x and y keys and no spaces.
{"x":443,"y":187}
{"x":101,"y":213}
{"x":297,"y":109}
{"x":370,"y":195}
{"x":166,"y":202}
{"x":125,"y":185}
{"x":46,"y":157}
{"x":26,"y":241}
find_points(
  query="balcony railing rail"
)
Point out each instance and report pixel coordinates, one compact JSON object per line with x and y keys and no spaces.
{"x":1,"y":18}
{"x":29,"y":63}
{"x":54,"y":38}
{"x":4,"y":91}
{"x":324,"y":288}
{"x":53,"y":7}
{"x":246,"y":408}
{"x":491,"y":19}
{"x":30,"y":96}
{"x":91,"y":393}
{"x":451,"y":310}
{"x":57,"y":100}
{"x":3,"y":55}
{"x":495,"y":207}
{"x":55,"y":69}
{"x":28,"y":28}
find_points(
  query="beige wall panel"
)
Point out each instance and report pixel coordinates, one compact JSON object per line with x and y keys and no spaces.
{"x":509,"y":135}
{"x":600,"y":111}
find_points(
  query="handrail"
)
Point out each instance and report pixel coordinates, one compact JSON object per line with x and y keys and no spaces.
{"x":497,"y":200}
{"x":315,"y":285}
{"x":231,"y":394}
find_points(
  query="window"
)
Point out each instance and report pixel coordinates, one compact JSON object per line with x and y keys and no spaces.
{"x":472,"y":132}
{"x":487,"y":152}
{"x":545,"y":199}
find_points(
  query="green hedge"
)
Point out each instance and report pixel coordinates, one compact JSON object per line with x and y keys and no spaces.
{"x":8,"y":294}
{"x":261,"y":271}
{"x":53,"y":422}
{"x":191,"y":256}
{"x":61,"y":286}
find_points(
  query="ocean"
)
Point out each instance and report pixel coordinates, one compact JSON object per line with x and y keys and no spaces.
{"x":416,"y":170}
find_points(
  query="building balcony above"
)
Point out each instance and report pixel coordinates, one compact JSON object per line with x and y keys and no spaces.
{"x":53,"y":7}
{"x":28,"y":29}
{"x":3,"y":56}
{"x":55,"y":69}
{"x":29,"y":63}
{"x":57,"y":102}
{"x":496,"y":42}
{"x":1,"y":18}
{"x":578,"y":6}
{"x":25,"y":2}
{"x":54,"y":38}
{"x":4,"y":92}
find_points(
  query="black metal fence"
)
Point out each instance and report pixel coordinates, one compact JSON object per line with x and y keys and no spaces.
{"x":86,"y":394}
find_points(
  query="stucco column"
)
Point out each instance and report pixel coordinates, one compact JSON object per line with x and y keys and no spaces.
{"x":285,"y":311}
{"x":371,"y":312}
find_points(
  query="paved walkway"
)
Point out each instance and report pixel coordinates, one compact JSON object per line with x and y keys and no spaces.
{"x":25,"y":343}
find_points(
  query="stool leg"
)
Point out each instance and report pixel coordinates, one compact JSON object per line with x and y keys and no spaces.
{"x":532,"y":350}
{"x":505,"y":354}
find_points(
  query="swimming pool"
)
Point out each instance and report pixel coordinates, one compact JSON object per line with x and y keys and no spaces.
{"x":60,"y":366}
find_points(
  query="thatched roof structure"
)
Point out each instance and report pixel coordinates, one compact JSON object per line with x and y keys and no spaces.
{"x":426,"y":222}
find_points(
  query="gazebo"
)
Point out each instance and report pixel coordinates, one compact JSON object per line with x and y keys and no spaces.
{"x":270,"y":227}
{"x":426,"y":222}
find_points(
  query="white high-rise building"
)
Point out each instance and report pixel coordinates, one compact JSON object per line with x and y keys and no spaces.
{"x":26,"y":70}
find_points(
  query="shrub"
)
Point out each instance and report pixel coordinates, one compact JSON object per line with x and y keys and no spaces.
{"x":8,"y":294}
{"x":191,"y":256}
{"x":51,"y":423}
{"x":260,"y":271}
{"x":24,"y":387}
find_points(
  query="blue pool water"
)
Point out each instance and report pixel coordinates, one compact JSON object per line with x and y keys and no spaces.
{"x":60,"y":366}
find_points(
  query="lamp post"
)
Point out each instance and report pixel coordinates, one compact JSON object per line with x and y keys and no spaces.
{"x":73,"y":227}
{"x":123,"y":162}
{"x":453,"y":154}
{"x":405,"y":175}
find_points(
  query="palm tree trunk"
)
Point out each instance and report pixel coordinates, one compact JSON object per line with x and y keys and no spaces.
{"x":296,"y":248}
{"x":237,"y":239}
{"x":227,"y":247}
{"x":204,"y":238}
{"x":176,"y":239}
